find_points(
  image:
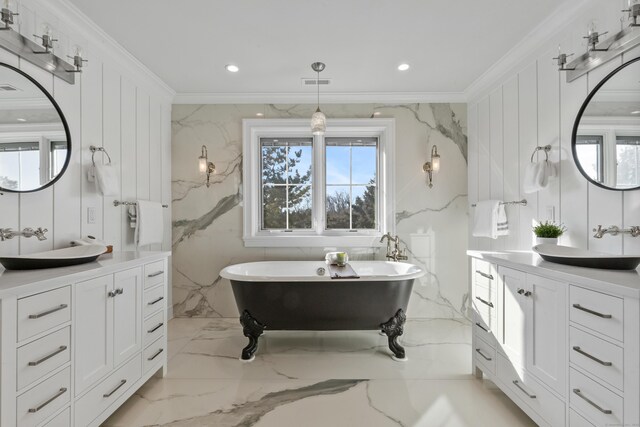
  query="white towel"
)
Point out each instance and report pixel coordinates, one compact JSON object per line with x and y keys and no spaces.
{"x":537,"y":176}
{"x":149,"y":222}
{"x":490,"y":219}
{"x":107,"y":179}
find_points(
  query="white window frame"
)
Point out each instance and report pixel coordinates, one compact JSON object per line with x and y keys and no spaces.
{"x":317,"y":236}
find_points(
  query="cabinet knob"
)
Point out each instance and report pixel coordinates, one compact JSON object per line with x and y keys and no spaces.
{"x":520,"y":291}
{"x":528,"y":293}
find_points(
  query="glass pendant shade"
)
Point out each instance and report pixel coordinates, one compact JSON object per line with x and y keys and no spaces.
{"x":318,"y":123}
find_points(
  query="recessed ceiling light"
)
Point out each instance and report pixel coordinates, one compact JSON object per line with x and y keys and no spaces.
{"x":24,"y":120}
{"x":403,"y":67}
{"x":635,"y":112}
{"x":259,"y":114}
{"x":232,"y":68}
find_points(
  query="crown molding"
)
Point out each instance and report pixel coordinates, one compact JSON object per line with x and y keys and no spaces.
{"x":326,"y":98}
{"x":71,"y":17}
{"x":527,"y":47}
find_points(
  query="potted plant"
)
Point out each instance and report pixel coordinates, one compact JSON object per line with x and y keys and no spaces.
{"x":548,"y":232}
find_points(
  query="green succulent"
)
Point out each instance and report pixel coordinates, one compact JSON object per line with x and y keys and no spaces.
{"x":549,"y":230}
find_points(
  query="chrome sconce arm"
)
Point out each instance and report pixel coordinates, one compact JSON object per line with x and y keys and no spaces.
{"x":205,"y":165}
{"x":6,"y":16}
{"x":432,"y":166}
{"x":562,"y":60}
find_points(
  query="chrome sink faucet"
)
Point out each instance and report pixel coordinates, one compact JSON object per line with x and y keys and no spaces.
{"x":8,"y":233}
{"x":394,"y":254}
{"x":614,"y":230}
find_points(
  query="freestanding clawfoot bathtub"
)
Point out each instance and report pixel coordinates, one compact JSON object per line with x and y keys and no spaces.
{"x":301,"y":295}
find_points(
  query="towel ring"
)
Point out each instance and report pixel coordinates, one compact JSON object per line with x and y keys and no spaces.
{"x":546,"y":150}
{"x":93,"y":149}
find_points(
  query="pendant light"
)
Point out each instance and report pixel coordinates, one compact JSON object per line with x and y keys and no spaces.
{"x":318,"y":120}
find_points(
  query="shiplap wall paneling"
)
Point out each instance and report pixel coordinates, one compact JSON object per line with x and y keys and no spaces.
{"x":528,"y":136}
{"x":155,"y":155}
{"x":9,"y":202}
{"x":111,"y":141}
{"x":511,"y":176}
{"x":549,"y":130}
{"x":605,"y":206}
{"x":631,"y":199}
{"x":573,"y":186}
{"x":484,"y":159}
{"x":497,"y":155}
{"x":67,"y":200}
{"x":473,"y":172}
{"x":128,"y":152}
{"x":36,"y":209}
{"x":91,"y":81}
{"x":142,"y":144}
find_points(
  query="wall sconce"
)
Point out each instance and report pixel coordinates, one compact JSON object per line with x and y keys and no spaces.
{"x":7,"y":14}
{"x":46,"y":39}
{"x":78,"y":61}
{"x":433,"y":166}
{"x":634,"y":12}
{"x":562,"y":60}
{"x":205,"y":165}
{"x":593,"y":38}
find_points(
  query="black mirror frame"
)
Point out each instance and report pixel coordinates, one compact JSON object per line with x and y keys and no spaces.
{"x":64,"y":124}
{"x":577,"y":123}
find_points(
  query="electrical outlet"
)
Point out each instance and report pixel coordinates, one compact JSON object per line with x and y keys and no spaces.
{"x":91,"y":215}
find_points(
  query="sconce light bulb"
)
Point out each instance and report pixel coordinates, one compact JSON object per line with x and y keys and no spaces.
{"x":435,"y":163}
{"x":592,"y":27}
{"x":202,"y":161}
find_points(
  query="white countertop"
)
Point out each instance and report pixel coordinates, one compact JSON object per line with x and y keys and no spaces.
{"x":623,"y":283}
{"x":20,"y":282}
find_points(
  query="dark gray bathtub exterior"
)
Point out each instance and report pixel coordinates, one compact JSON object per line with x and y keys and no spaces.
{"x":322,"y":306}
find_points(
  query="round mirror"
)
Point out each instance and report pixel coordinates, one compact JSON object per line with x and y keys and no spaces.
{"x":35,"y":146}
{"x":606,"y":135}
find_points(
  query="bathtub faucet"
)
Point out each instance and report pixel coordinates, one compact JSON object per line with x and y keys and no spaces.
{"x":394,"y":254}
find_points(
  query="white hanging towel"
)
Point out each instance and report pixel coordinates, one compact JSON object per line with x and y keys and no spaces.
{"x":149,"y":229}
{"x":537,"y":176}
{"x":107,"y":179}
{"x":490,"y":219}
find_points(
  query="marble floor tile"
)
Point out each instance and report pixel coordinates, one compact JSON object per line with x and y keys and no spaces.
{"x":319,"y":379}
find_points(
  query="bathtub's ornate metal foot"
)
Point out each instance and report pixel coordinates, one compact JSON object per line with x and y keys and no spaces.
{"x":393,"y":329}
{"x":252,"y":329}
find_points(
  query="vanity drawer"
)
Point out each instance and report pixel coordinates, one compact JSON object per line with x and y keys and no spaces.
{"x":596,"y":356}
{"x":577,"y":420}
{"x":41,"y":312}
{"x":485,"y":355}
{"x":600,"y":406}
{"x":42,"y":401}
{"x":597,"y":311}
{"x":534,"y":394}
{"x":92,"y":404}
{"x":38,"y":358}
{"x":485,"y":297}
{"x":153,"y":300}
{"x":154,"y":327}
{"x":154,"y":274}
{"x":153,"y":355}
{"x":484,"y":273}
{"x":63,"y":419}
{"x":484,"y":331}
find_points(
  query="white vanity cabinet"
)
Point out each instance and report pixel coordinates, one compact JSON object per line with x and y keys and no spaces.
{"x":76,"y":341}
{"x":566,"y":340}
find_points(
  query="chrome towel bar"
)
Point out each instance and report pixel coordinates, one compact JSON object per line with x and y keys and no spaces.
{"x":119,"y":202}
{"x":522,"y":202}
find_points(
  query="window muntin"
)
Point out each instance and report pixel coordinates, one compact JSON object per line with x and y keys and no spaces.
{"x":351,"y":190}
{"x":628,"y":161}
{"x":589,"y":151}
{"x":286,"y":183}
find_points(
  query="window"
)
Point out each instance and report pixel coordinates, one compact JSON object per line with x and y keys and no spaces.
{"x":589,"y":152}
{"x":325,"y":191}
{"x":18,"y":160}
{"x":628,"y":161}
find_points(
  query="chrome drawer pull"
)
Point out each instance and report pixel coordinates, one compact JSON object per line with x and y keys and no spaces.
{"x":119,"y":291}
{"x":155,"y":301}
{"x":46,"y":313}
{"x":122,"y":382}
{"x":485,"y":275}
{"x":595,"y":313}
{"x":482,"y":327}
{"x":155,"y":355}
{"x":112,"y":294}
{"x":155,"y":328}
{"x":482,"y":354}
{"x":490,"y":304}
{"x":591,"y":402}
{"x":584,"y":353}
{"x":517,"y":384}
{"x":45,"y":358}
{"x":157,"y":273}
{"x":62,"y":391}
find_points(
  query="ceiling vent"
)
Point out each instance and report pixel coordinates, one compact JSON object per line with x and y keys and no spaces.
{"x":8,"y":88}
{"x":314,"y":82}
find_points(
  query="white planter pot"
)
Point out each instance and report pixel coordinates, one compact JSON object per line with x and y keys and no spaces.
{"x":547,"y":240}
